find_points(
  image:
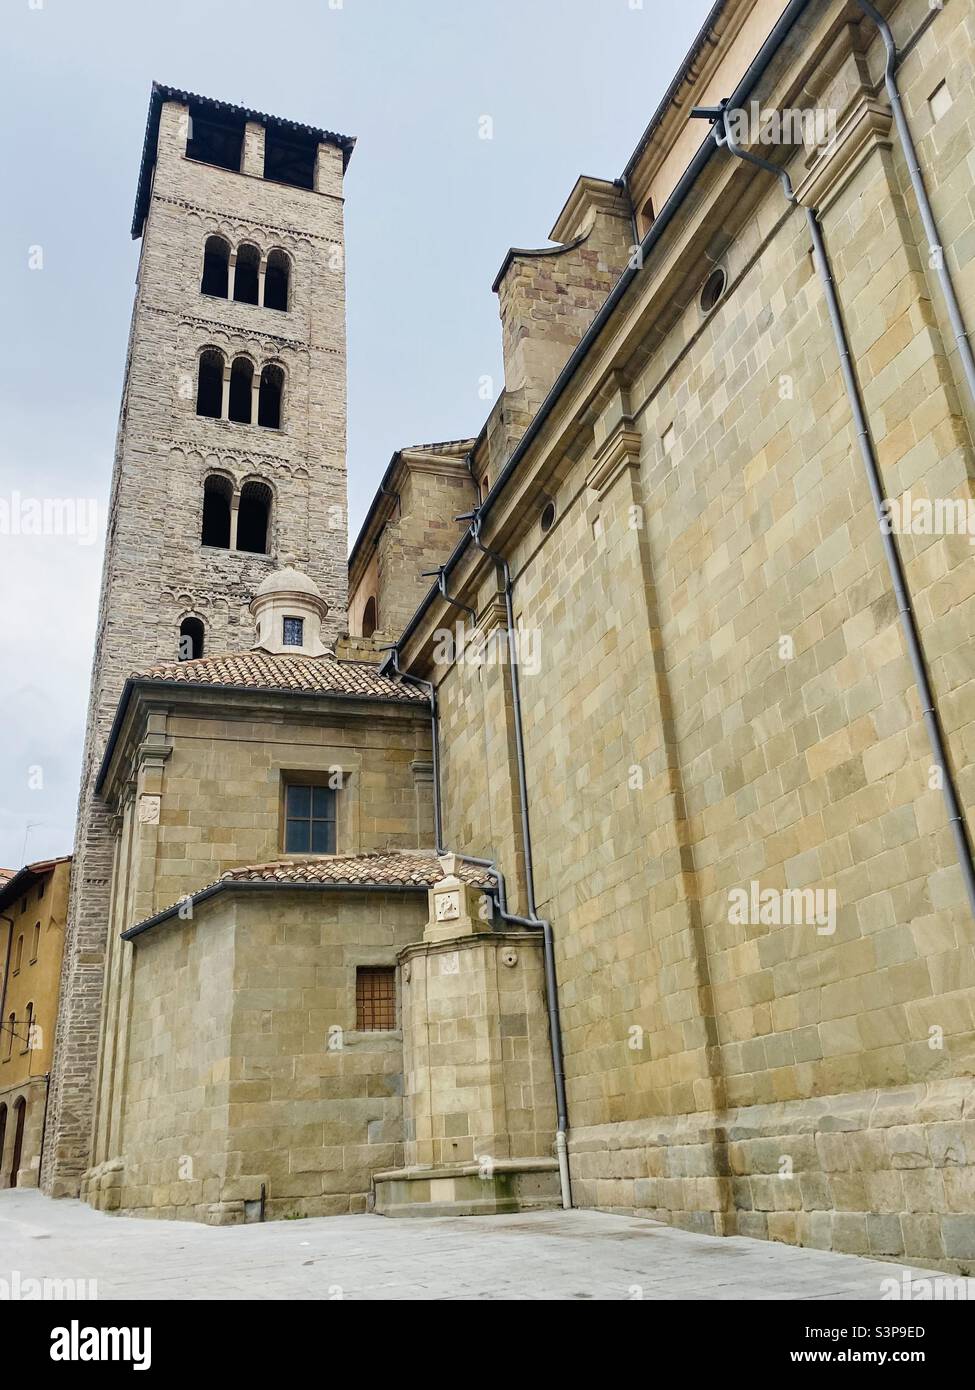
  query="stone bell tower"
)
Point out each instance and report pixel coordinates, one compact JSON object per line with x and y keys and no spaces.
{"x":229,"y":463}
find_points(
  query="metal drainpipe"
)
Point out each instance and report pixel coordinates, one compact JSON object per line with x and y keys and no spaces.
{"x":548,"y":939}
{"x":921,"y":194}
{"x":724,"y":137}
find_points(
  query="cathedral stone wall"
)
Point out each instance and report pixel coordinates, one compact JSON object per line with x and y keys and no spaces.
{"x":723,"y":697}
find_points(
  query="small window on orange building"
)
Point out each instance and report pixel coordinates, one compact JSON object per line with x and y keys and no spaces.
{"x":375,"y":999}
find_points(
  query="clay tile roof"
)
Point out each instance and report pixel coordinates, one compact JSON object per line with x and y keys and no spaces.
{"x":395,"y":869}
{"x":257,"y":670}
{"x":420,"y":868}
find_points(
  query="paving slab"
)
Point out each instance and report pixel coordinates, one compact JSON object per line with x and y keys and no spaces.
{"x":585,"y":1255}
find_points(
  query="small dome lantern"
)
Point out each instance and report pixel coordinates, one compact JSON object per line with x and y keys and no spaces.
{"x":289,"y":611}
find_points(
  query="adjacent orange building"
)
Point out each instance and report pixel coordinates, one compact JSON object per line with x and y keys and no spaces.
{"x":33,"y":911}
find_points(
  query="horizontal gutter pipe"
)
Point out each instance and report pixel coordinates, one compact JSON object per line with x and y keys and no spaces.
{"x":937,"y":254}
{"x":671,"y":207}
{"x":724,"y":137}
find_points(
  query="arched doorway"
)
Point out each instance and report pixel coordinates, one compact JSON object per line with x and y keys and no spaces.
{"x":20,"y":1115}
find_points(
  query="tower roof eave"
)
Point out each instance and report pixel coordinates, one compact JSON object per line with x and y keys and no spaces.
{"x":161,"y":93}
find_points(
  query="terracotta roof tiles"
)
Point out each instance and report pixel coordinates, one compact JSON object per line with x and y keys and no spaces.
{"x":258,"y":670}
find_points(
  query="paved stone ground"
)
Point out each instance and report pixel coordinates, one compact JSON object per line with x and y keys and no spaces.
{"x":545,"y":1255}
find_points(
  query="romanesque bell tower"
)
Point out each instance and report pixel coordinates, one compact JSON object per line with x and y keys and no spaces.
{"x":230,"y":462}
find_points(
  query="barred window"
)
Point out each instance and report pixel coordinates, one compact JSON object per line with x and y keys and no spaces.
{"x":375,"y":999}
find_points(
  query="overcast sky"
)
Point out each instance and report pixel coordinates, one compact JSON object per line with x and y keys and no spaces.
{"x":431,"y":209}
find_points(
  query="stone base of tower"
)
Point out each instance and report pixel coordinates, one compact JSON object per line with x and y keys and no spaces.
{"x":469,"y":1189}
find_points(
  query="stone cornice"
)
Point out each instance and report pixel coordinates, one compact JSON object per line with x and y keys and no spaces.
{"x":621,"y":450}
{"x":865,"y":129}
{"x":298,"y":234}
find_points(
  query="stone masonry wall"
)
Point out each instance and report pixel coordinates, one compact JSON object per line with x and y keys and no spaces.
{"x":218,"y":770}
{"x":725,"y":698}
{"x":277,"y":1089}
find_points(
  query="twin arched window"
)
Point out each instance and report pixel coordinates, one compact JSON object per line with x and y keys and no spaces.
{"x":236,"y":393}
{"x":245,"y":275}
{"x":235,"y":520}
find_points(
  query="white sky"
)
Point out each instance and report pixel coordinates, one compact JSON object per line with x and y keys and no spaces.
{"x":431,"y":209}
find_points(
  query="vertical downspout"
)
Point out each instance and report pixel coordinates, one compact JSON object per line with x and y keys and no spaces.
{"x":935,"y":247}
{"x":724,"y":138}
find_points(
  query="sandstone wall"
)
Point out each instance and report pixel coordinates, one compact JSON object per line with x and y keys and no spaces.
{"x":782,"y":1081}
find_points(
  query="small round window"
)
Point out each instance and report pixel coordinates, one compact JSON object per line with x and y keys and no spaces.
{"x":714,"y":288}
{"x":547,"y":520}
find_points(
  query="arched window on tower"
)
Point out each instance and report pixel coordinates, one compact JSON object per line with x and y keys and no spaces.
{"x":246,"y":276}
{"x":209,"y":389}
{"x":216,"y":267}
{"x":369,"y":623}
{"x":272,"y":389}
{"x":254,"y":518}
{"x":191,"y":639}
{"x":276,"y":281}
{"x":217,"y":494}
{"x":241,"y":390}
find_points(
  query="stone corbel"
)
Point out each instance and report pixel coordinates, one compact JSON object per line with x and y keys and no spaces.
{"x":151,"y":756}
{"x":619,"y":451}
{"x":865,"y":128}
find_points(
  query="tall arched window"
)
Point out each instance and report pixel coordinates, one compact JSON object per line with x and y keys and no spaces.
{"x":369,"y":623}
{"x":254,"y":518}
{"x":191,"y":632}
{"x":209,"y":390}
{"x":11,"y":1029}
{"x":35,"y":942}
{"x":217,"y":494}
{"x":216,"y":267}
{"x":276,"y":281}
{"x":247,"y":274}
{"x":19,"y":954}
{"x":241,"y":390}
{"x":272,"y":389}
{"x":28,"y":1028}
